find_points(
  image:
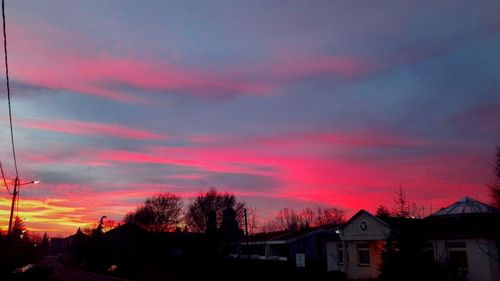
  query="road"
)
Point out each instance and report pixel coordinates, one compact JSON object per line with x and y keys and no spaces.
{"x":67,"y":273}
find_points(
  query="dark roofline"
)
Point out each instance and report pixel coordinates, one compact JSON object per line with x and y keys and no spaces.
{"x":288,"y":236}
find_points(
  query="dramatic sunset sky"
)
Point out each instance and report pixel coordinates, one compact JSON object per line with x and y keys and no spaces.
{"x":283,"y":103}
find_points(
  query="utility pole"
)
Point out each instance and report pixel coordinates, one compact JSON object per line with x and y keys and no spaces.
{"x":17,"y":184}
{"x":14,"y":198}
{"x":246,"y":232}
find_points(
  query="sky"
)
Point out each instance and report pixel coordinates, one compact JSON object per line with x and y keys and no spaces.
{"x":283,"y":103}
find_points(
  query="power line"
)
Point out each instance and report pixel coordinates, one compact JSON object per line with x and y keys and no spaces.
{"x":3,"y":178}
{"x":8,"y":90}
{"x":16,"y":180}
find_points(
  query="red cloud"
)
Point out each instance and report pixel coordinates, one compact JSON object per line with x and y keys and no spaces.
{"x":362,"y":178}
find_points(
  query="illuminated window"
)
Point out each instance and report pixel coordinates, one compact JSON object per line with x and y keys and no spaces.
{"x":340,"y":253}
{"x":363,"y":254}
{"x":458,"y":255}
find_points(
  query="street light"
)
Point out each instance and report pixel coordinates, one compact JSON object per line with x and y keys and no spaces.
{"x":30,"y":182}
{"x":17,"y":183}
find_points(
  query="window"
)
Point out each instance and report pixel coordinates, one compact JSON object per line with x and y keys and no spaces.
{"x":340,"y":254}
{"x":458,"y":255}
{"x":280,"y":250}
{"x":258,"y":250}
{"x":363,"y":254}
{"x":428,"y":251}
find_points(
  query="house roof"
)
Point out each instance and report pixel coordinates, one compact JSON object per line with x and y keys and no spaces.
{"x":466,"y":218}
{"x":466,"y":205}
{"x":291,"y":235}
{"x":79,"y":233}
{"x":402,"y":223}
{"x":126,"y":228}
{"x":476,"y":225}
{"x":361,"y":212}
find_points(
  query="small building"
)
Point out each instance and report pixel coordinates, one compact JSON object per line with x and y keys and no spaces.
{"x":463,"y":236}
{"x":123,"y":243}
{"x":58,"y":246}
{"x":129,"y":242}
{"x":302,"y":248}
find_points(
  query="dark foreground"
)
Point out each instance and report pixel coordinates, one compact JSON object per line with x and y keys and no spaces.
{"x":53,"y":269}
{"x":50,"y":269}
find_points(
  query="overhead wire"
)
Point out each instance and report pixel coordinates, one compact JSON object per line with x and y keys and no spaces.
{"x":8,"y":89}
{"x":16,"y":181}
{"x":3,"y":178}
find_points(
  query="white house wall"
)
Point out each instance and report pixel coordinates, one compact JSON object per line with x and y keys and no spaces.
{"x":495,"y":260}
{"x":482,"y":258}
{"x":356,"y":271}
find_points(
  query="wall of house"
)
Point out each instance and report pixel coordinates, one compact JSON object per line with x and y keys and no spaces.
{"x":351,"y":266}
{"x":356,"y":271}
{"x":314,"y":249}
{"x":495,"y":261}
{"x":482,"y":258}
{"x":332,"y":262}
{"x":278,"y":252}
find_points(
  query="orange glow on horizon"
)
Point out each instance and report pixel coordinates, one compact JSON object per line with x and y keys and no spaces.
{"x":48,"y":215}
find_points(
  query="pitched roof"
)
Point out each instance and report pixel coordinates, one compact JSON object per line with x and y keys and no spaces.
{"x":126,"y":228}
{"x":397,"y":223}
{"x":466,"y":205}
{"x":79,"y":233}
{"x":463,"y":226}
{"x":361,"y":212}
{"x":292,"y":235}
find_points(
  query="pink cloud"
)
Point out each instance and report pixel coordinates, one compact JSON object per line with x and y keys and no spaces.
{"x":328,"y":182}
{"x":345,"y":139}
{"x":80,"y":68}
{"x":294,"y":67}
{"x":84,"y":70}
{"x":336,"y":179}
{"x":361,"y":179}
{"x":166,"y":158}
{"x":80,"y":128}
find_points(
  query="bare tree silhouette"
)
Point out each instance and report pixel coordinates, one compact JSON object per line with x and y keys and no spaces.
{"x":212,"y":201}
{"x":253,"y":220}
{"x":402,"y":209}
{"x":159,"y":213}
{"x":289,"y":219}
{"x":382,"y":211}
{"x":495,"y":186}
